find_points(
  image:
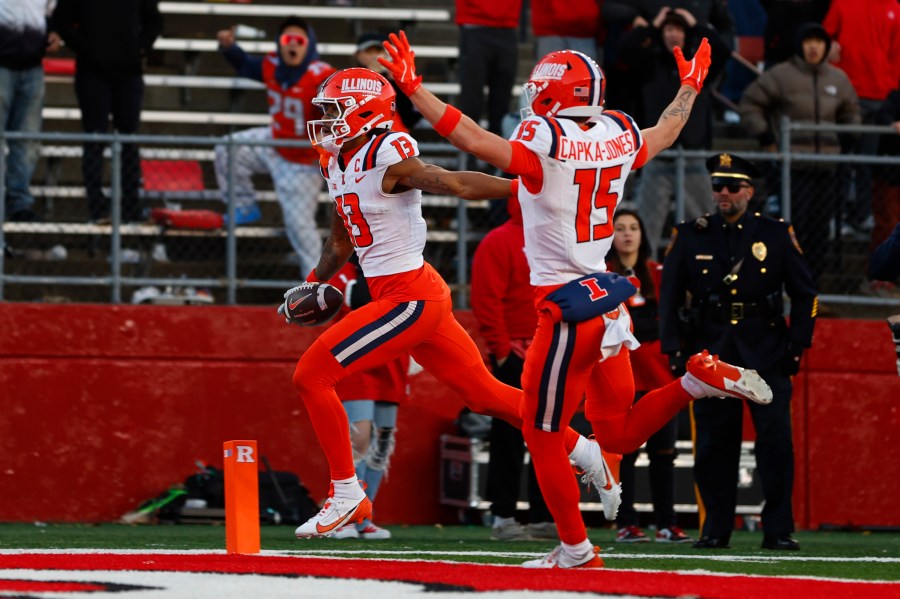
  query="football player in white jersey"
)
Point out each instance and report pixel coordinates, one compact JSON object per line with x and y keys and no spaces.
{"x":375,"y":177}
{"x":572,"y":157}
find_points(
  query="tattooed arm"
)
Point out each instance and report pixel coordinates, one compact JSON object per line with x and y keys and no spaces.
{"x":671,"y":122}
{"x":412,"y":173}
{"x":336,"y":250}
{"x":692,"y":72}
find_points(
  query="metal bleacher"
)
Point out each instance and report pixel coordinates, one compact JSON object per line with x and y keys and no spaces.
{"x":191,"y":91}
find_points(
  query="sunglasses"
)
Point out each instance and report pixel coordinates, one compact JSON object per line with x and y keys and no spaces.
{"x":731,"y":187}
{"x":287,"y":39}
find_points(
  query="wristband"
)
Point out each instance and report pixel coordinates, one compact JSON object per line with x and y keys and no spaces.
{"x":514,"y":189}
{"x":312,"y":278}
{"x":448,"y":121}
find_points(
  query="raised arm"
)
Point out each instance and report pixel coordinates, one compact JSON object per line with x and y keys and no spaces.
{"x":449,"y":122}
{"x":672,"y":121}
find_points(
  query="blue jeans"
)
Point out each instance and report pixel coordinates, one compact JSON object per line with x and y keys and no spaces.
{"x":21,"y":102}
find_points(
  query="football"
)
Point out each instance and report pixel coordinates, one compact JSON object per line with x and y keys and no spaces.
{"x":312,"y":304}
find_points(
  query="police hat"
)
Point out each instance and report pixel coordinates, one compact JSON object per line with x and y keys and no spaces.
{"x":730,"y":167}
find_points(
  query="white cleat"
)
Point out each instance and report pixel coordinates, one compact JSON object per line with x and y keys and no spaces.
{"x":347,"y":531}
{"x":600,"y":476}
{"x":334,"y":514}
{"x":560,"y":558}
{"x":721,"y":379}
{"x":374,"y":533}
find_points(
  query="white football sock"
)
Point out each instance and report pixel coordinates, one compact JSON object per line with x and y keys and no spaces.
{"x":349,"y":488}
{"x":690,"y":384}
{"x":585,"y":454}
{"x":579,"y":550}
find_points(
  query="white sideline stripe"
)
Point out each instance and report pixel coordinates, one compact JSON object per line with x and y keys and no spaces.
{"x":263,"y":47}
{"x":524,"y":554}
{"x":606,"y":553}
{"x":262,"y":10}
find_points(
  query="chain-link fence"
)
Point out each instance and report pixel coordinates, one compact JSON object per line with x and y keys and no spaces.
{"x":169,"y":219}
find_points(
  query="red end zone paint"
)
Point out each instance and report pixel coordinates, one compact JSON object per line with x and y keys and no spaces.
{"x":477,"y":577}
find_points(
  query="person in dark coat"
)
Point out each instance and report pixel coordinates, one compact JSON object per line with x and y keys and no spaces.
{"x":110,"y":39}
{"x":647,"y":52}
{"x":723,"y":280}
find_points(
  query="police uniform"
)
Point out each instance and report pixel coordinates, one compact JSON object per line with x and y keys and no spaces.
{"x":722,"y":289}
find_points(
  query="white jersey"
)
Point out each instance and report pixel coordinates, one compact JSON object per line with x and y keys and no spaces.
{"x":387,"y":229}
{"x":569,"y":222}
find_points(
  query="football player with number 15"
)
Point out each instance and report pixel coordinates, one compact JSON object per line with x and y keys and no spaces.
{"x":572,"y":158}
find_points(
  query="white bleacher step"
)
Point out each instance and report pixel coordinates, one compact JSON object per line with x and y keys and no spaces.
{"x":262,"y":47}
{"x":62,"y":191}
{"x":152,"y":230}
{"x":171,"y":116}
{"x":210,"y":82}
{"x":310,"y":12}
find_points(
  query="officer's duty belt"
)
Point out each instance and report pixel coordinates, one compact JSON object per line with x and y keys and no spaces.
{"x":738,"y":310}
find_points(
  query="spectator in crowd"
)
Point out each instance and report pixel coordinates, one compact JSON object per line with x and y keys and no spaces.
{"x":371,"y":400}
{"x":570,"y":182}
{"x":886,"y":181}
{"x":784,"y":18}
{"x":637,"y":13}
{"x":631,"y":256}
{"x":26,"y":35}
{"x":368,"y":49}
{"x":647,"y":51}
{"x":722,"y":285}
{"x":488,"y":57}
{"x":866,"y":47}
{"x":503,"y":304}
{"x":808,"y":90}
{"x":292,"y":74}
{"x":110,"y":39}
{"x":565,"y":25}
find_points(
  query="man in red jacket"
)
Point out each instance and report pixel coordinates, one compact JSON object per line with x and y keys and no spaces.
{"x":503,"y":304}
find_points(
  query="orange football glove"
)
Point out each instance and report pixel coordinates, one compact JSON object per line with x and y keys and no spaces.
{"x":693,"y":72}
{"x":402,"y":64}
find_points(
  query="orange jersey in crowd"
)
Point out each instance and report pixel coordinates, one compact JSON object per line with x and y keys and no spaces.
{"x":290,"y":108}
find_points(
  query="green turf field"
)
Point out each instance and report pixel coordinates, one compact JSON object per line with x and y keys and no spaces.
{"x":862,"y":556}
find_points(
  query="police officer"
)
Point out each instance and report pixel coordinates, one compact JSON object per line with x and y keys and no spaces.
{"x":722,"y":286}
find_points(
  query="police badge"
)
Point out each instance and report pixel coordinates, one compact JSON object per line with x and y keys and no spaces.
{"x":759,"y":250}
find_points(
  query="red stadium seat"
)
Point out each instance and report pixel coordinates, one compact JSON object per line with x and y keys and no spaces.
{"x":59,"y":66}
{"x":172,"y":175}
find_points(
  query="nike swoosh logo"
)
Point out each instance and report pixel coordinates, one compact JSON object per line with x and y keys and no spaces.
{"x":323,"y":529}
{"x":293,"y":305}
{"x":358,"y":179}
{"x":609,"y":478}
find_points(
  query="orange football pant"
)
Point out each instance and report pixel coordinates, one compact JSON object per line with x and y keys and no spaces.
{"x":381,"y":331}
{"x":562,"y":367}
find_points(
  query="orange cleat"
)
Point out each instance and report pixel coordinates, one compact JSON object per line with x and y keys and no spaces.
{"x":720,"y":379}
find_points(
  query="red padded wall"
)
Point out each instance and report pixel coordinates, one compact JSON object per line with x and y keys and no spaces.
{"x":105,"y":406}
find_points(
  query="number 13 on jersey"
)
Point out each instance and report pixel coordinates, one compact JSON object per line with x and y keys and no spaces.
{"x":595,"y":193}
{"x":354,"y":221}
